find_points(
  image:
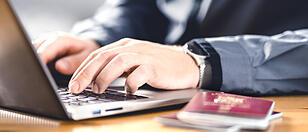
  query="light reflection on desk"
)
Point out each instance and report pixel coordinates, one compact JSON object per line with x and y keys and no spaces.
{"x":17,"y":118}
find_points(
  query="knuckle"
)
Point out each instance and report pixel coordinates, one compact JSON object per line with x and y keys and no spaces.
{"x":93,"y":54}
{"x":97,"y":52}
{"x":126,"y":39}
{"x":102,"y":56}
{"x":100,"y":80}
{"x":130,"y":42}
{"x":136,"y":44}
{"x":121,"y":59}
{"x":85,"y":76}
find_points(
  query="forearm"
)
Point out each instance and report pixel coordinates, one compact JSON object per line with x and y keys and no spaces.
{"x":263,"y":65}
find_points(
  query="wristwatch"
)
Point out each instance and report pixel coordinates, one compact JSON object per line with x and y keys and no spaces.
{"x":200,"y":56}
{"x":208,"y":61}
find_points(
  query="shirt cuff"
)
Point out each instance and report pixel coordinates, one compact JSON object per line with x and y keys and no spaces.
{"x":235,"y":66}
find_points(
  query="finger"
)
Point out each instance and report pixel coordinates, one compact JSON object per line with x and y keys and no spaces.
{"x":89,"y":70}
{"x":116,"y":67}
{"x":96,"y":52}
{"x":52,"y":48}
{"x":88,"y":73}
{"x":85,"y":74}
{"x":119,"y":43}
{"x":85,"y":63}
{"x":137,"y":78}
{"x":68,"y":64}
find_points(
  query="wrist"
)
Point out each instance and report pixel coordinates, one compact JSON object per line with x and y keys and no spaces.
{"x":194,"y":71}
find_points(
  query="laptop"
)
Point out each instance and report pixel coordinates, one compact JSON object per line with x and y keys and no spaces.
{"x":27,"y":85}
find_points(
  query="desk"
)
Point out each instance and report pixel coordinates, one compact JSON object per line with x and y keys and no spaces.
{"x":294,"y":108}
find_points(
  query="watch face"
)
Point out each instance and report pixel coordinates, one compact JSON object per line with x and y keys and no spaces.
{"x":196,"y":49}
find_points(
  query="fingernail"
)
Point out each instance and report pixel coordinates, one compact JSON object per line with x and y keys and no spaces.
{"x":74,"y":86}
{"x":95,"y":88}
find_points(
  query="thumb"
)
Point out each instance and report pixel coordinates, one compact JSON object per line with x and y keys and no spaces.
{"x":69,"y":64}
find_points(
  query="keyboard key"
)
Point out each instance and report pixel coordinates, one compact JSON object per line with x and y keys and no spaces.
{"x":104,"y":100}
{"x":87,"y":99}
{"x":74,"y":103}
{"x":64,"y":93}
{"x":67,"y":95}
{"x":63,"y":98}
{"x":68,"y":100}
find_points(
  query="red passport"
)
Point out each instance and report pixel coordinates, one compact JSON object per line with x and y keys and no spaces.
{"x":227,"y":109}
{"x":229,"y":104}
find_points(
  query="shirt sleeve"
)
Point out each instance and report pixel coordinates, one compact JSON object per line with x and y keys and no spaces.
{"x":264,"y":65}
{"x":116,"y":19}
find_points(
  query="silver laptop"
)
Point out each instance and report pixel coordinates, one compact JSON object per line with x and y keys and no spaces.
{"x":27,"y":85}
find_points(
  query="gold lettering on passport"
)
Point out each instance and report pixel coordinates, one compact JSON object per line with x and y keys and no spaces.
{"x":227,"y":102}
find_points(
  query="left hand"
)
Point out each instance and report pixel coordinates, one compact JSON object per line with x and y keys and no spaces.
{"x":72,"y":49}
{"x":160,"y":66}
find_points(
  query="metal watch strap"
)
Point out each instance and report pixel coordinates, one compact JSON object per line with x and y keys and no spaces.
{"x":205,"y":75}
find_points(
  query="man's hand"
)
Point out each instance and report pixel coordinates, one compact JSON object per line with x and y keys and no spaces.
{"x":160,"y":66}
{"x":73,"y":49}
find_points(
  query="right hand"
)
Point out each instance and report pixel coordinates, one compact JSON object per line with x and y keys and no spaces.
{"x":73,"y":49}
{"x":144,"y":62}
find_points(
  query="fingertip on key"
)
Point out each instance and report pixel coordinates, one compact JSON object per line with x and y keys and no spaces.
{"x":74,"y":86}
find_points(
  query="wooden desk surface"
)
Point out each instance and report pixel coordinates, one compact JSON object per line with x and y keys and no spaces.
{"x":294,"y":108}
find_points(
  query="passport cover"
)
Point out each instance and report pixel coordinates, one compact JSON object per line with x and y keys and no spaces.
{"x":229,"y":104}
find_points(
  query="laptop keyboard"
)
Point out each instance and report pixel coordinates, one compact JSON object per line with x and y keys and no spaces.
{"x":88,"y":97}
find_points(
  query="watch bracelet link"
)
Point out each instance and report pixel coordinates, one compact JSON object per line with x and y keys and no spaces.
{"x":205,"y":75}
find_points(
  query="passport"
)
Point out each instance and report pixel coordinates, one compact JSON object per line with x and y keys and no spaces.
{"x":229,"y":104}
{"x":173,"y":121}
{"x":219,"y":108}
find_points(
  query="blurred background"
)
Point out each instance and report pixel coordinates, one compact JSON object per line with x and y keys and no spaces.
{"x":40,"y":16}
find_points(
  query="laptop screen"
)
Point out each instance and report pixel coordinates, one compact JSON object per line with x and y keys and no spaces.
{"x":24,"y":84}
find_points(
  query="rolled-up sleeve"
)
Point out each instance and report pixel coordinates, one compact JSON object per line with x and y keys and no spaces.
{"x":264,"y":65}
